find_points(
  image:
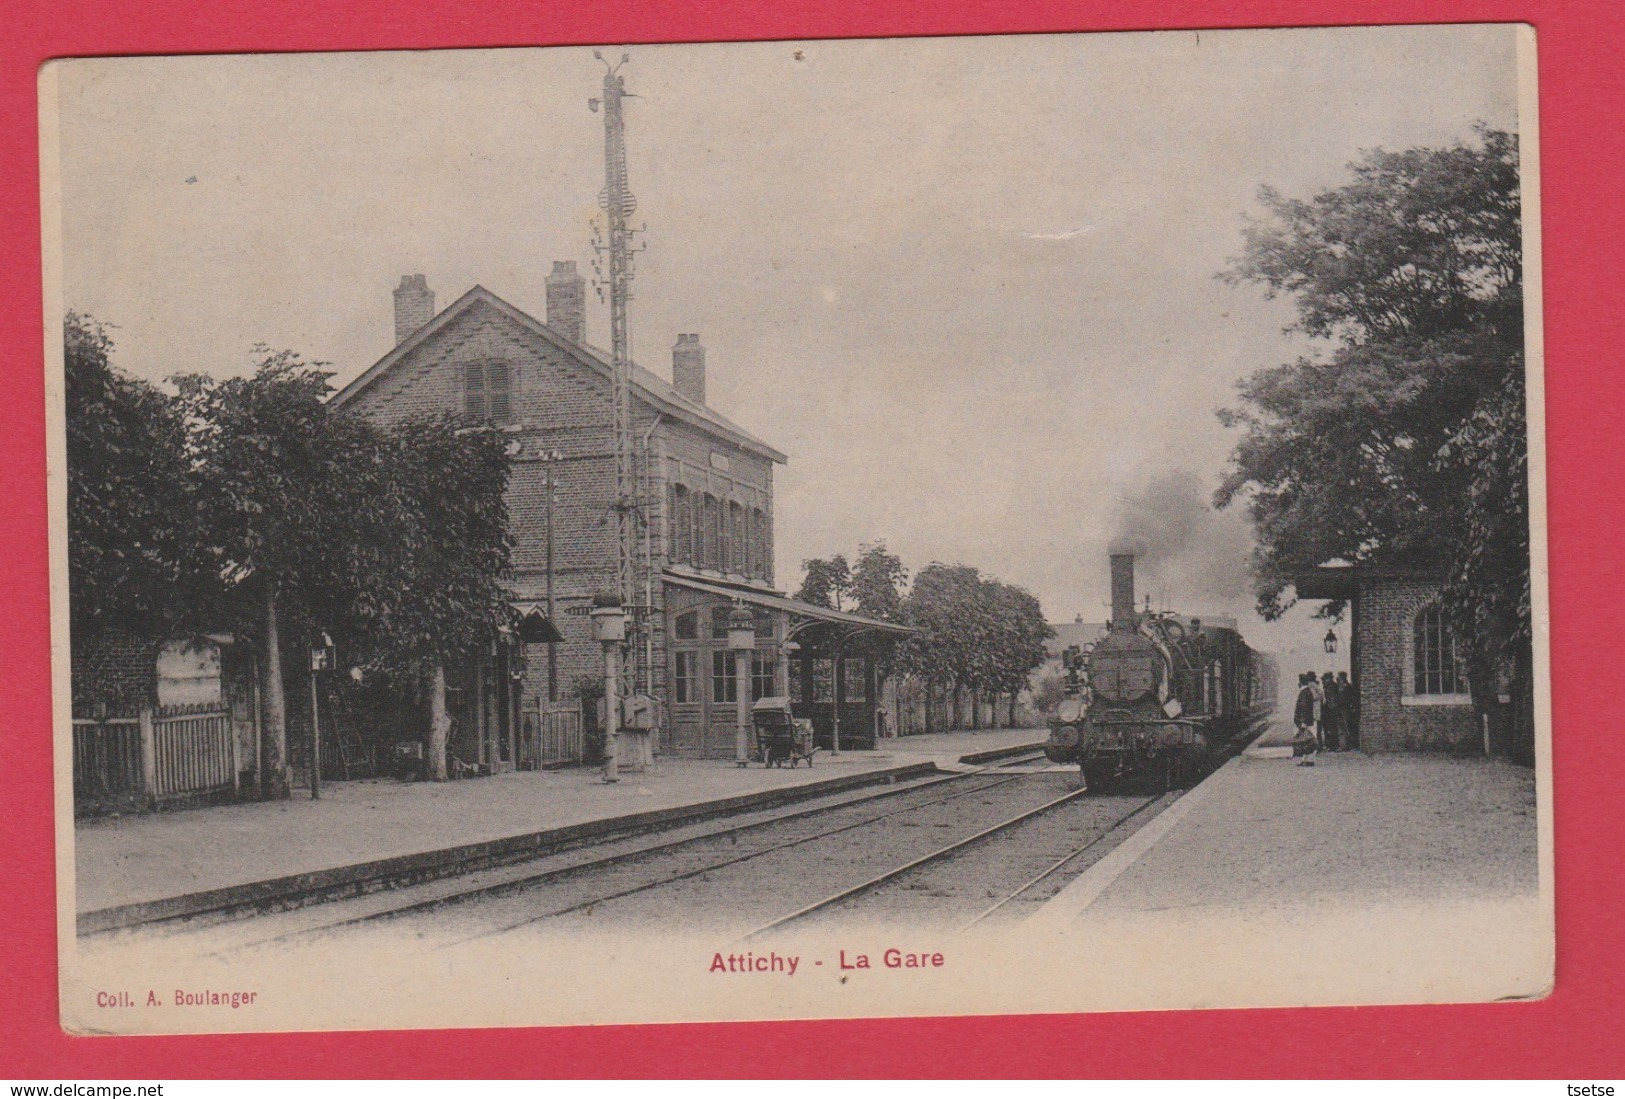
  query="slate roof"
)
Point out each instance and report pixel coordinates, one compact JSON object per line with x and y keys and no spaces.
{"x":647,"y":385}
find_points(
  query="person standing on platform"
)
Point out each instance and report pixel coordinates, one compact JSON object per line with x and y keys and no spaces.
{"x":1332,"y":711}
{"x":1320,"y":708}
{"x":1305,"y":720}
{"x":1348,"y":700}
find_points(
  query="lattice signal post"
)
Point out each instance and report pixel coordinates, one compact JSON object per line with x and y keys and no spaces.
{"x":618,"y":205}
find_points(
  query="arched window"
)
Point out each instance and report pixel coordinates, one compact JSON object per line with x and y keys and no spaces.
{"x":1435,"y":668}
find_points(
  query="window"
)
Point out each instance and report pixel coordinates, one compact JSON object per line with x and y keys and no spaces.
{"x":682,"y":525}
{"x":1435,"y":667}
{"x":736,"y":539}
{"x":764,"y":535}
{"x":724,"y":685}
{"x":854,"y":687}
{"x":758,"y":542}
{"x":685,"y":687}
{"x":763,"y":677}
{"x":823,"y":680}
{"x":487,"y":391}
{"x":713,"y":533}
{"x":687,"y":627}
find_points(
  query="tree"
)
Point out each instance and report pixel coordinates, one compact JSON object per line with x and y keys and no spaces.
{"x":1020,"y":631}
{"x":1402,"y":439}
{"x":877,"y":583}
{"x":135,"y":557}
{"x":946,"y":607}
{"x":288,"y":495}
{"x":827,"y":582}
{"x":436,"y":592}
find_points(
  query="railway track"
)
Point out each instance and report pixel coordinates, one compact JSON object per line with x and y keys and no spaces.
{"x":957,"y":852}
{"x":280,"y":928}
{"x":747,"y":895}
{"x":846,"y":899}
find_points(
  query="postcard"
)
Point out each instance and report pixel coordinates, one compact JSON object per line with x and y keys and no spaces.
{"x":790,"y":530}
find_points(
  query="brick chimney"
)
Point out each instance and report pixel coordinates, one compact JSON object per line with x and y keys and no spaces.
{"x":414,"y":306}
{"x":688,"y":367}
{"x":567,"y":301}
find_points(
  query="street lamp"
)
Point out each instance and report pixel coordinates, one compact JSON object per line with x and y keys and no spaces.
{"x":321,"y":660}
{"x":549,"y":458}
{"x":609,"y":629}
{"x":742,"y":640}
{"x":1331,"y":641}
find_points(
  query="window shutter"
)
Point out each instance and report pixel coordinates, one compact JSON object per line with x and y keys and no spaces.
{"x":474,"y":391}
{"x":497,"y":392}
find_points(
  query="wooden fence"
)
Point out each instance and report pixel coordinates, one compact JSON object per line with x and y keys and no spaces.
{"x":549,"y":736}
{"x":155,"y":757}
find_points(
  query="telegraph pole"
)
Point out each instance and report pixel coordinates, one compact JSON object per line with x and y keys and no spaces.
{"x":618,"y":205}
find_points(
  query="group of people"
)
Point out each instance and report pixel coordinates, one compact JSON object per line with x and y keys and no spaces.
{"x":1327,"y":716}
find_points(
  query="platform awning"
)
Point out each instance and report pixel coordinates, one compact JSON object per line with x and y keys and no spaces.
{"x":808,"y":612}
{"x":1343,"y":581}
{"x":533,"y":626}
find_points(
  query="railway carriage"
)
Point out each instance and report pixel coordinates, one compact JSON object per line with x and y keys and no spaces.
{"x":1159,"y":697}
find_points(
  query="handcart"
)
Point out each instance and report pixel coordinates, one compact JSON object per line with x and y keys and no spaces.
{"x":781,"y":737}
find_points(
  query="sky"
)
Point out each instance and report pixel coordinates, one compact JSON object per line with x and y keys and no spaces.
{"x":967,"y":285}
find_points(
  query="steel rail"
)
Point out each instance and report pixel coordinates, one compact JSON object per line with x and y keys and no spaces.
{"x":528,"y":881}
{"x":881,"y":879}
{"x":747,"y":857}
{"x":1057,"y":864}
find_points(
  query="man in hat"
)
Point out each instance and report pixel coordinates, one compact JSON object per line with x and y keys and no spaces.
{"x":1332,"y":714}
{"x":1348,"y":700}
{"x":1306,"y":719}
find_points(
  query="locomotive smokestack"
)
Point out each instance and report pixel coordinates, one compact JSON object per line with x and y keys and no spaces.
{"x":1123,"y":617}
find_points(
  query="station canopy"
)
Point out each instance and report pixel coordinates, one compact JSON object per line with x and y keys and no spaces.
{"x":808,"y":621}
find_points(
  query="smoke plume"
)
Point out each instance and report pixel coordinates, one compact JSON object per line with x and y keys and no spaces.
{"x":1187,"y":555}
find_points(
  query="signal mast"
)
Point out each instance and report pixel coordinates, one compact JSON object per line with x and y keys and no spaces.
{"x":618,"y":205}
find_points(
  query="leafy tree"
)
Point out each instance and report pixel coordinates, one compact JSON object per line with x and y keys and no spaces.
{"x":436,"y":562}
{"x":827,"y":582}
{"x":877,"y":582}
{"x":134,"y":546}
{"x":288,"y":496}
{"x":1020,"y":631}
{"x":946,"y":605}
{"x":1402,"y":439}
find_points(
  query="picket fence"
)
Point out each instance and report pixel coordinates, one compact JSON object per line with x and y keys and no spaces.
{"x":152,"y":758}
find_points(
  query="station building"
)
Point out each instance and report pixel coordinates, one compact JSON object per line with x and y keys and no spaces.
{"x":706,"y":520}
{"x":1411,"y":678}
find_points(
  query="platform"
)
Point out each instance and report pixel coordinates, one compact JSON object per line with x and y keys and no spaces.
{"x":1272,"y":883}
{"x":150,"y":858}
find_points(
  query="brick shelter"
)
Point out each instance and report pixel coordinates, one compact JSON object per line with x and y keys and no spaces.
{"x":705,"y":502}
{"x":1409,"y":674}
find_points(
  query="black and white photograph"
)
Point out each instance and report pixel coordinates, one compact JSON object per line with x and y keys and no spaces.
{"x":791,"y":530}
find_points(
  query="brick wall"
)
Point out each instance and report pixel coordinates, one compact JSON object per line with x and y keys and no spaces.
{"x":1392,"y":717}
{"x":564,"y":406}
{"x":115,"y":670}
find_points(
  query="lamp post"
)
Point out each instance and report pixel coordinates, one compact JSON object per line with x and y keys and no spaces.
{"x":1330,"y":641}
{"x":609,"y":628}
{"x":548,"y":457}
{"x":321,"y":660}
{"x":742,"y":640}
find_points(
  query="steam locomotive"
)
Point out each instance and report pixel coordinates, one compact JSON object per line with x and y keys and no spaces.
{"x":1159,"y":697}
